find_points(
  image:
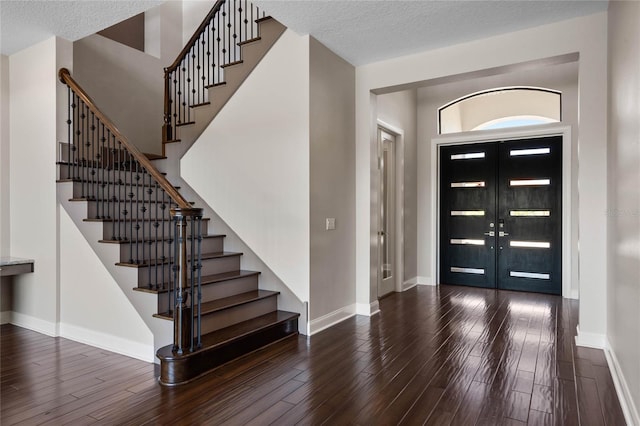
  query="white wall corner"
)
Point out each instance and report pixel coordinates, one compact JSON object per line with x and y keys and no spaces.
{"x":108,"y":342}
{"x":368,"y":309}
{"x":425,"y":281}
{"x":331,"y":319}
{"x":410,"y":283}
{"x":590,"y":340}
{"x":5,"y":317}
{"x":35,"y":324}
{"x":629,"y":408}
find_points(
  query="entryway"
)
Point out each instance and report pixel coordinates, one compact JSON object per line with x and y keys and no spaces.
{"x":501,"y":214}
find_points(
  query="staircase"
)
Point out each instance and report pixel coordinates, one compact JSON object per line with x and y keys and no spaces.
{"x":163,"y":243}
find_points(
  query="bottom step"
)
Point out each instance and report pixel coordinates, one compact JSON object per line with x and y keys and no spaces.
{"x":224,"y":345}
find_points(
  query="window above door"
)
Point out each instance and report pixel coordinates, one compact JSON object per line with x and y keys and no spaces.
{"x":500,"y":108}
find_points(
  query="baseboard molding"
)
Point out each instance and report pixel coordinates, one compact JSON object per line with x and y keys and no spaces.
{"x":627,"y":404}
{"x":409,"y":284}
{"x":575,"y":294}
{"x":331,"y":319}
{"x":368,"y":309}
{"x":35,"y":324}
{"x":591,"y":340}
{"x":108,"y":342}
{"x":424,"y":281}
{"x":5,"y":317}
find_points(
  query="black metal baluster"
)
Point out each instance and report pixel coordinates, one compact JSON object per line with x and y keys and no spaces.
{"x":192,"y":262}
{"x":155,"y":225}
{"x":76,"y":136}
{"x":122,"y":214}
{"x":69,"y":131}
{"x":104,"y":152}
{"x":252,"y":22}
{"x":163,"y":207}
{"x":81,"y":149}
{"x":138,"y":215}
{"x":218,"y":39}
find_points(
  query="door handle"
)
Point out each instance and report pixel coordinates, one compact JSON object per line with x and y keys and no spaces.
{"x":490,"y":234}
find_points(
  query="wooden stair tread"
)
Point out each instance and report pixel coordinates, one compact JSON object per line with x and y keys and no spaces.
{"x":227,"y":335}
{"x":200,"y":104}
{"x":228,"y":302}
{"x":204,"y":256}
{"x":134,"y":220}
{"x":186,"y":123}
{"x":99,"y":182}
{"x":155,"y":156}
{"x":230,"y":64}
{"x":207,"y":280}
{"x":106,"y":200}
{"x":98,"y":166}
{"x":150,"y":240}
{"x":172,"y":141}
{"x":264,"y":18}
{"x":220,"y":83}
{"x":251,"y":40}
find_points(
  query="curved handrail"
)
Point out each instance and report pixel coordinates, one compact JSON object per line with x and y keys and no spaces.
{"x":65,"y":78}
{"x":196,"y":35}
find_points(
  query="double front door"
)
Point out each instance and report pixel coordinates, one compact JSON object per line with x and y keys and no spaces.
{"x":501,"y":215}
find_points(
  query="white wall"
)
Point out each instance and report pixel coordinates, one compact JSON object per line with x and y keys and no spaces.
{"x":562,"y":77}
{"x":585,"y":36}
{"x":93,"y":309}
{"x":332,"y":186}
{"x":251,"y":165}
{"x":623,"y":325}
{"x":163,"y":31}
{"x":5,"y":282}
{"x":33,"y":207}
{"x":126,"y":84}
{"x":399,"y":110}
{"x":193,"y":12}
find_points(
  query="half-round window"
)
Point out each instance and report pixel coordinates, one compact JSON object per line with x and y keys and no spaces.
{"x":501,"y":108}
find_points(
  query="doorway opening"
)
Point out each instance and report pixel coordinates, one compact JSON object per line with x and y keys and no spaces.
{"x":387,"y":217}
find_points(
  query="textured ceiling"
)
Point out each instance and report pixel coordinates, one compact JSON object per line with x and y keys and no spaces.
{"x":360,"y":31}
{"x":27,"y":22}
{"x":367,"y":31}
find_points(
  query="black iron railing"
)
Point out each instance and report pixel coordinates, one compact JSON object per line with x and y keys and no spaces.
{"x":146,"y":215}
{"x":200,"y":65}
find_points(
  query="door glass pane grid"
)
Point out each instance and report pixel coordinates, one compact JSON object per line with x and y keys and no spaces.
{"x":533,"y":275}
{"x":530,"y":244}
{"x":467,"y":212}
{"x":467,"y":241}
{"x":476,"y":271}
{"x":468,"y":156}
{"x":530,"y":213}
{"x":480,"y":184}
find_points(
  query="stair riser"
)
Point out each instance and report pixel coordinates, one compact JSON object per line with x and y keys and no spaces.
{"x":120,"y":192}
{"x":209,"y":267}
{"x":107,"y":210}
{"x":154,"y":249}
{"x":217,"y":320}
{"x":217,"y":290}
{"x":98,"y":174}
{"x":146,"y":227}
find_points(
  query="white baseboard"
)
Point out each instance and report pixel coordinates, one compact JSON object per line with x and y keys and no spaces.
{"x":627,"y":404}
{"x":368,"y":309}
{"x":331,"y":319}
{"x":35,"y":324}
{"x":409,"y":284}
{"x":591,"y":340}
{"x":5,"y":317}
{"x":108,"y":342}
{"x":575,"y":294}
{"x":424,"y":281}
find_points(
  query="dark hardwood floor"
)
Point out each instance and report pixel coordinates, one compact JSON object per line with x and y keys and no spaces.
{"x":436,"y":356}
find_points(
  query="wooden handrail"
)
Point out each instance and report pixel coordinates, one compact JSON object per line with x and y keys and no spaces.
{"x":194,"y":37}
{"x":65,"y":78}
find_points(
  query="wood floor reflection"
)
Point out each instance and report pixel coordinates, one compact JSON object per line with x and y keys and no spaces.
{"x":436,"y":356}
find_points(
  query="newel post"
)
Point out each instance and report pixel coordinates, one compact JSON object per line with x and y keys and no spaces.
{"x":183,"y":313}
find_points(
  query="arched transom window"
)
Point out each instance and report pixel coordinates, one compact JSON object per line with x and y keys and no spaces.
{"x":500,"y":108}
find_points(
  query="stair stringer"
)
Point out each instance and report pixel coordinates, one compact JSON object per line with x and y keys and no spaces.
{"x":145,"y":304}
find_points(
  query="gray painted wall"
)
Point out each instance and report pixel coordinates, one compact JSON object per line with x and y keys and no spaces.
{"x":399,"y":109}
{"x":623,"y":210}
{"x":332,"y":180}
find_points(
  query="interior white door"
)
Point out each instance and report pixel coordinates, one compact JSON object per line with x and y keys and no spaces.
{"x":386,"y":233}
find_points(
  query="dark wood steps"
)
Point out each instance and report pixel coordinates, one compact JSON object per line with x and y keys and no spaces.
{"x":151,"y":240}
{"x":186,"y":123}
{"x":227,"y":302}
{"x":221,"y":83}
{"x":204,"y":219}
{"x":99,"y":182}
{"x":204,"y":256}
{"x":230,"y":64}
{"x":224,"y":345}
{"x":251,"y":40}
{"x":105,"y":200}
{"x":206,"y":280}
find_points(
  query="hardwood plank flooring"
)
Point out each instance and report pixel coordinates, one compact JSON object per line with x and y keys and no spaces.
{"x":434,"y":356}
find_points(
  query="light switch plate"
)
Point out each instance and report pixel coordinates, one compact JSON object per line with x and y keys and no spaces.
{"x":331,"y":223}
